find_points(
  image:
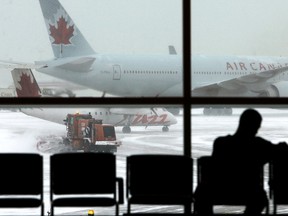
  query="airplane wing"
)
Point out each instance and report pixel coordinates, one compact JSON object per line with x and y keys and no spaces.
{"x":81,"y":64}
{"x":23,"y":65}
{"x":73,"y":64}
{"x":254,"y":82}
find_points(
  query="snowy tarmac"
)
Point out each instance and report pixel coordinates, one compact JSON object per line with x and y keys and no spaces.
{"x":20,"y":133}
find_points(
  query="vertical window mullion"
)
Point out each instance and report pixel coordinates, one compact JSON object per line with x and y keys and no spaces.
{"x":186,"y":4}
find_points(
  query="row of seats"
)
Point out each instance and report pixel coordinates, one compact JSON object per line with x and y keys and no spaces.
{"x":151,"y":179}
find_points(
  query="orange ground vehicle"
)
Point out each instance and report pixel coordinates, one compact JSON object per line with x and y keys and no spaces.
{"x":88,"y":134}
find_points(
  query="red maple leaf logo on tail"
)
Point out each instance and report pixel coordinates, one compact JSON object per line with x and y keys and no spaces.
{"x":29,"y":88}
{"x":62,"y":34}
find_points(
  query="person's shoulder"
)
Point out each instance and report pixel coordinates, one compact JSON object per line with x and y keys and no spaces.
{"x":262,"y":140}
{"x":223,"y":139}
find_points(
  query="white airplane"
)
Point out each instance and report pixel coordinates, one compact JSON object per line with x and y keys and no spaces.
{"x":27,"y":86}
{"x":153,"y":75}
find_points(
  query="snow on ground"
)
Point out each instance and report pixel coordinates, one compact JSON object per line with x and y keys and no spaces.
{"x":20,"y":133}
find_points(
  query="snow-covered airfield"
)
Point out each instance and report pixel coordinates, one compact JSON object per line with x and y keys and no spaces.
{"x":20,"y":133}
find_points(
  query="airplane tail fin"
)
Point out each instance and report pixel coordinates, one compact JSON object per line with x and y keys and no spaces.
{"x":25,"y":83}
{"x":172,"y":50}
{"x":65,"y":38}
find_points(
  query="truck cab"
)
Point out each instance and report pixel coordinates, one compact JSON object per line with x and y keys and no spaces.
{"x":89,"y":134}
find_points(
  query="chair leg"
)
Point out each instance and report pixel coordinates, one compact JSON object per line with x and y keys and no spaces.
{"x":117,"y":209}
{"x":267,"y":209}
{"x":274,"y":206}
{"x":187,"y":209}
{"x":52,"y":210}
{"x":128,"y":207}
{"x":42,"y":209}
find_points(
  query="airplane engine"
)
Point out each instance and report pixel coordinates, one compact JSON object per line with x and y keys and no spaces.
{"x":276,"y":90}
{"x":57,"y":92}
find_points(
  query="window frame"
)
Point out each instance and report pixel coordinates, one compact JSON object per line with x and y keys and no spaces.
{"x":184,"y":101}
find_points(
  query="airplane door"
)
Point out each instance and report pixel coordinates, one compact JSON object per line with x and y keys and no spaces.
{"x":116,"y":72}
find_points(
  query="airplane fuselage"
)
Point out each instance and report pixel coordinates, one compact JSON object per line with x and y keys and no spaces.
{"x":162,"y":75}
{"x":129,"y":75}
{"x":58,"y":115}
{"x":209,"y":69}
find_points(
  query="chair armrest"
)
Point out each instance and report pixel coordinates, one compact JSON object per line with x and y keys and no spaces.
{"x":120,"y":190}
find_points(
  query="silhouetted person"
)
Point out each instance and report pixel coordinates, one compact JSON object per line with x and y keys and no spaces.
{"x":241,"y":156}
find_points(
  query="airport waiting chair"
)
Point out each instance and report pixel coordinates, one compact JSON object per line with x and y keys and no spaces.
{"x":159,"y":180}
{"x":89,"y":178}
{"x":21,"y":182}
{"x":225,"y":182}
{"x":278,"y":181}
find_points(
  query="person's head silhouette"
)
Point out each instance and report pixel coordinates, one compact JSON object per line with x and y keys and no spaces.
{"x":249,"y":123}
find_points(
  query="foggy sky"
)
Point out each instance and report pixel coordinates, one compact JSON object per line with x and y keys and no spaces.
{"x":113,"y":26}
{"x":219,"y":27}
{"x":240,"y":27}
{"x":248,"y":27}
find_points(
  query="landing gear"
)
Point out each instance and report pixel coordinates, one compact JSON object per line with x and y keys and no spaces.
{"x":126,"y":129}
{"x":165,"y":128}
{"x":217,"y":111}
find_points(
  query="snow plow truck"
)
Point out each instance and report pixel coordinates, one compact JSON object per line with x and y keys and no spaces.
{"x":88,"y":134}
